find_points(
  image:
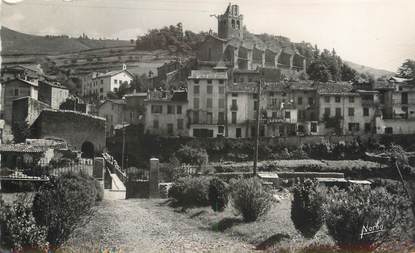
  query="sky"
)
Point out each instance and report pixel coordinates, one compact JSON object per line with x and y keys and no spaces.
{"x":376,"y":33}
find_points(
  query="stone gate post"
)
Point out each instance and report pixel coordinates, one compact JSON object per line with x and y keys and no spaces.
{"x":154,"y":178}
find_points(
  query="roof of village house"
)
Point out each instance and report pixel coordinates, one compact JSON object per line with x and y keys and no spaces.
{"x":138,"y":94}
{"x":31,"y":67}
{"x":114,"y":101}
{"x":23,"y":81}
{"x":342,"y":88}
{"x":22,"y":148}
{"x":53,"y":84}
{"x":207,"y":74}
{"x":167,"y":96}
{"x":114,"y":72}
{"x":72,"y":112}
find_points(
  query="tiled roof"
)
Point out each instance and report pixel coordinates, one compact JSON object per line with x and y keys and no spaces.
{"x":335,"y":88}
{"x":166,"y":96}
{"x":243,"y":87}
{"x":113,"y":73}
{"x":116,"y":101}
{"x":21,"y":148}
{"x":54,"y":84}
{"x":23,"y":81}
{"x":207,"y":74}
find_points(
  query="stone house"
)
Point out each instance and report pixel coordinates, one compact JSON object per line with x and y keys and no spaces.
{"x":166,"y":113}
{"x":101,"y":84}
{"x":206,"y":92}
{"x":53,"y":94}
{"x":17,"y":88}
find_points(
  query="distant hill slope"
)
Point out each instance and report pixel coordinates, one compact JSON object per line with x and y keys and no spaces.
{"x":369,"y":70}
{"x":14,"y":42}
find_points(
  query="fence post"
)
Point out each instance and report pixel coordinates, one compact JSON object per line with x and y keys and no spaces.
{"x":154,"y":178}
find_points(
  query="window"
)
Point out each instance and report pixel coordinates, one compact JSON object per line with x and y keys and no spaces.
{"x":155,"y":124}
{"x":180,"y":124}
{"x":221,"y":103}
{"x":221,"y":118}
{"x":196,"y":103}
{"x":365,"y":111}
{"x":16,"y":92}
{"x":404,"y":98}
{"x":234,"y":94}
{"x":170,"y":109}
{"x":170,"y":129}
{"x":156,"y":109}
{"x":195,"y":117}
{"x":337,"y":99}
{"x":351,"y":99}
{"x":115,"y":81}
{"x":368,"y":127}
{"x":209,"y":89}
{"x":221,"y":90}
{"x":101,"y":90}
{"x":221,"y":81}
{"x":301,"y":114}
{"x":327,"y":99}
{"x":354,"y":127}
{"x":102,"y":81}
{"x":310,"y":101}
{"x":255,"y":105}
{"x":288,"y":115}
{"x":338,"y":112}
{"x":179,"y":109}
{"x":209,"y":81}
{"x":209,"y":116}
{"x":313,"y":127}
{"x":221,"y":129}
{"x":234,"y":105}
{"x":255,"y":96}
{"x":196,"y":81}
{"x":238,"y":133}
{"x":327,"y":112}
{"x":209,"y":102}
{"x":351,"y":112}
{"x":196,"y":90}
{"x":300,"y":100}
{"x":388,"y":130}
{"x":233,"y":117}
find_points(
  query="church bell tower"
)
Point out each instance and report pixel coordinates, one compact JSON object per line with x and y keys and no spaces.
{"x":230,"y":24}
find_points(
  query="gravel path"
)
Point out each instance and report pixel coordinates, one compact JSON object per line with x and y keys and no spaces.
{"x":143,"y":225}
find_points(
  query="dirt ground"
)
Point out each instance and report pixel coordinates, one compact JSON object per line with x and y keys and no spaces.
{"x":143,"y":225}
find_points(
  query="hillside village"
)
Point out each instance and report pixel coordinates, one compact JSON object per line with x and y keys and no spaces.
{"x":182,"y":120}
{"x":216,"y":93}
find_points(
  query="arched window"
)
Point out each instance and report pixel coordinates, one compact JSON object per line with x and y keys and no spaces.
{"x":233,"y":23}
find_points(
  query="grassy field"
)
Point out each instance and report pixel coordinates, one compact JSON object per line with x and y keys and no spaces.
{"x":275,"y":228}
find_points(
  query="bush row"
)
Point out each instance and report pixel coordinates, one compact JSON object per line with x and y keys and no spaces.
{"x":359,"y":218}
{"x":248,"y":196}
{"x":52,"y":215}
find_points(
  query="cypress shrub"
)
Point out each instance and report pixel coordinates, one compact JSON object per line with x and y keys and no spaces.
{"x":307,"y":211}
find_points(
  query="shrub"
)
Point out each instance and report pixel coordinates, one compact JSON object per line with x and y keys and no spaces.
{"x":307,"y":208}
{"x":218,"y":194}
{"x":250,"y":198}
{"x":190,"y":191}
{"x":190,"y":155}
{"x":60,"y":204}
{"x":351,"y":211}
{"x":19,"y":230}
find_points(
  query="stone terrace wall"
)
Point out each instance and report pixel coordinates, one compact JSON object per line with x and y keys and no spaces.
{"x":73,"y":127}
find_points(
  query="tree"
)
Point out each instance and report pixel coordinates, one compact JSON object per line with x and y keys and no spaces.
{"x":407,"y":70}
{"x":318,"y":71}
{"x":347,"y":73}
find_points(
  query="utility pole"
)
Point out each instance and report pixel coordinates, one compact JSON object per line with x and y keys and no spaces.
{"x":257,"y":128}
{"x":123,"y":143}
